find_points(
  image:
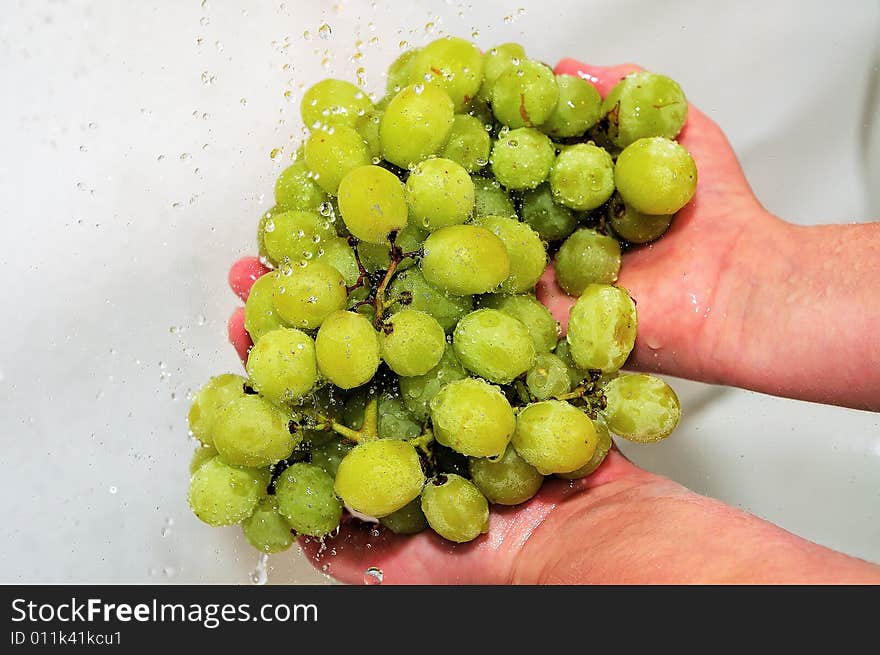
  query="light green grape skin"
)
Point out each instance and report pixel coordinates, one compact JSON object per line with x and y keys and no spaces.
{"x":554,"y":436}
{"x":603,"y":446}
{"x":587,"y":257}
{"x":331,"y":153}
{"x":282,"y":366}
{"x":333,"y":102}
{"x":395,"y":420}
{"x":337,"y":253}
{"x":447,"y":309}
{"x":472,"y":417}
{"x":347,"y":349}
{"x":563,"y":352}
{"x":368,"y":127}
{"x":468,"y":143}
{"x":582,"y":177}
{"x":548,"y":218}
{"x":641,"y":408}
{"x":494,"y":345}
{"x":411,"y":342}
{"x":379,"y":477}
{"x":530,"y":312}
{"x":266,"y":530}
{"x":260,"y":316}
{"x":526,"y":252}
{"x":655,"y":176}
{"x":439,"y":193}
{"x":296,"y":188}
{"x":309,"y":294}
{"x":524,"y":95}
{"x":418,"y":391}
{"x":644,"y":105}
{"x":497,"y":61}
{"x":330,"y":454}
{"x":634,"y":226}
{"x":463,"y":260}
{"x":521,"y":159}
{"x":222,"y":494}
{"x":455,"y":508}
{"x":295,"y":236}
{"x":415,"y":125}
{"x":602,"y":328}
{"x":373,"y":203}
{"x":578,"y":108}
{"x":377,"y":256}
{"x":208,"y":402}
{"x":306,"y":499}
{"x":509,"y":480}
{"x":549,"y":377}
{"x":400,"y":72}
{"x":409,"y":519}
{"x":201,"y":455}
{"x":490,"y":199}
{"x":251,"y":431}
{"x":452,"y":64}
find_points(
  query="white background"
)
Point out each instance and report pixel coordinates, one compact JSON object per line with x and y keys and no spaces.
{"x":134,"y":164}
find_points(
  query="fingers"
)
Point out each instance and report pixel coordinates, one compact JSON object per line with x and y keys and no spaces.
{"x":238,"y":336}
{"x":244,"y":273}
{"x":602,"y":77}
{"x":554,"y":298}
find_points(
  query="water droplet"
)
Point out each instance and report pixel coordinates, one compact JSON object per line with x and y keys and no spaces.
{"x":324,"y":31}
{"x":113,"y":489}
{"x":373,"y":576}
{"x":260,"y":574}
{"x":166,"y":529}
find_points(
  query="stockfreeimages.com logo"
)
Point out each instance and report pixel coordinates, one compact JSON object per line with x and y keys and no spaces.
{"x":209,"y":615}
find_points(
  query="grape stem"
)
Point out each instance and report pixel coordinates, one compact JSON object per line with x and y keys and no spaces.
{"x":423,"y":441}
{"x":369,"y":428}
{"x":577,"y":392}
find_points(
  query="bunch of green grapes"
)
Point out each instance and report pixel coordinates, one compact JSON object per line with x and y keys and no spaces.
{"x":402,"y":367}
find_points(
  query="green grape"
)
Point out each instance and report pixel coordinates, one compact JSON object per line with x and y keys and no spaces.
{"x":427,"y":298}
{"x":452,"y":64}
{"x":468,"y":143}
{"x":295,"y":236}
{"x":641,"y":408}
{"x":337,"y":253}
{"x":208,"y":402}
{"x":379,"y":477}
{"x":347,"y":348}
{"x":260,"y":316}
{"x":400,"y":72}
{"x":377,"y":256}
{"x":261,"y":234}
{"x":418,"y":391}
{"x":602,"y":328}
{"x":578,"y":108}
{"x":266,"y":530}
{"x":582,"y":176}
{"x":306,"y":296}
{"x":603,"y":446}
{"x":333,"y":102}
{"x":494,"y":345}
{"x":472,"y":417}
{"x":412,"y":342}
{"x":526,"y":252}
{"x":331,"y":153}
{"x":201,"y":455}
{"x":549,"y":377}
{"x":656,"y":176}
{"x":455,"y":508}
{"x":554,"y":437}
{"x":524,"y":95}
{"x":296,"y":188}
{"x":251,"y":431}
{"x":549,"y":219}
{"x":328,"y":455}
{"x":409,"y":519}
{"x":530,"y":312}
{"x":222,"y":494}
{"x":563,"y":352}
{"x":439,"y":193}
{"x":490,"y":199}
{"x":509,"y":480}
{"x":395,"y":420}
{"x":481,"y":110}
{"x":521,"y":159}
{"x":464,"y":259}
{"x":368,"y":127}
{"x":306,"y":499}
{"x":496,"y":61}
{"x":372,"y":203}
{"x":634,"y":226}
{"x":643,"y":105}
{"x":415,"y":125}
{"x":587,"y":257}
{"x":282,"y":366}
